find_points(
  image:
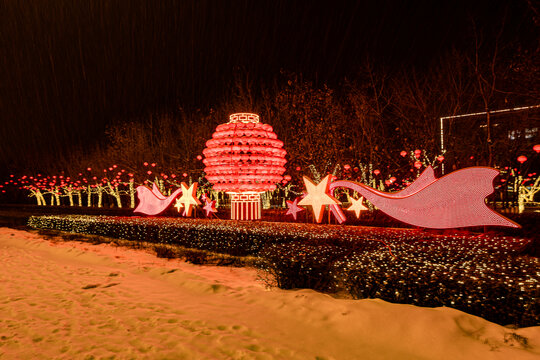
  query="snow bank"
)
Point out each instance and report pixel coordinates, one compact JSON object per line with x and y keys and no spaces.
{"x":76,"y":300}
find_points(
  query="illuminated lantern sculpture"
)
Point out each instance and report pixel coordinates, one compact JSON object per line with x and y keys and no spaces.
{"x":244,"y":158}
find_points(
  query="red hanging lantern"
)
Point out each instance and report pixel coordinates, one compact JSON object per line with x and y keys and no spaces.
{"x":522,"y":159}
{"x":403,"y":153}
{"x":245,"y":158}
{"x":376,"y":172}
{"x":417,"y":164}
{"x":536,"y":148}
{"x":417,"y":153}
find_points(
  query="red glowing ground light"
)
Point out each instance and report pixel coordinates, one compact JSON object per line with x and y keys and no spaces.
{"x":244,"y":155}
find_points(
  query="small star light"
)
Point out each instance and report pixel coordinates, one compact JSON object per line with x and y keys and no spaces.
{"x":209,"y":207}
{"x":357,"y":206}
{"x":188,"y":198}
{"x":318,"y":197}
{"x":293,"y":208}
{"x":178,"y":205}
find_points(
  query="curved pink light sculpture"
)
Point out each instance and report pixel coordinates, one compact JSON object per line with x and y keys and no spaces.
{"x":452,"y":201}
{"x":153,"y":202}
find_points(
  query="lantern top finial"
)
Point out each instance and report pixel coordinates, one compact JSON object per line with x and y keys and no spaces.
{"x":243,"y":118}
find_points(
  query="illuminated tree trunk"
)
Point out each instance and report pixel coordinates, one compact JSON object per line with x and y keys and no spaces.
{"x":521,"y":203}
{"x":38,"y":199}
{"x":69,"y":192}
{"x":113,"y":191}
{"x":527,"y":195}
{"x":41,"y":201}
{"x":132,"y":193}
{"x":161,"y":185}
{"x":89,"y":192}
{"x":37,"y":194}
{"x":100,"y":196}
{"x":57,"y":196}
{"x":79,"y":197}
{"x":265,"y":197}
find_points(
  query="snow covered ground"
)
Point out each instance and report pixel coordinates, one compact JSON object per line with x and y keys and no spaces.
{"x":74,"y":300}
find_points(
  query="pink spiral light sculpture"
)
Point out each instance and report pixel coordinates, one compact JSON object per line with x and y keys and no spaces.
{"x":244,"y":158}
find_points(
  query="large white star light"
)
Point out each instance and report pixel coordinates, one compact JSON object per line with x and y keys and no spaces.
{"x":317,"y":197}
{"x":188,"y":198}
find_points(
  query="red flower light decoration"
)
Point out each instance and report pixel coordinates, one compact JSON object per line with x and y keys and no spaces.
{"x":244,"y":156}
{"x":522,"y":159}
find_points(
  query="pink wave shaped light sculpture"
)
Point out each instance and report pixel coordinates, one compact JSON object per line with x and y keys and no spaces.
{"x":452,"y":201}
{"x":153,"y":202}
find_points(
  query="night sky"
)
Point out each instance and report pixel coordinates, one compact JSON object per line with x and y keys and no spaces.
{"x":69,"y":68}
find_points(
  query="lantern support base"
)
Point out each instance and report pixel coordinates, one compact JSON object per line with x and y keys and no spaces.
{"x":245,"y":206}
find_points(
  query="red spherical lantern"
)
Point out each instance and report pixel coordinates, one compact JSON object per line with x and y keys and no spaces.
{"x":245,"y":158}
{"x":536,"y":148}
{"x":417,"y":164}
{"x":522,"y":159}
{"x":417,"y":153}
{"x":376,"y":172}
{"x":403,"y":153}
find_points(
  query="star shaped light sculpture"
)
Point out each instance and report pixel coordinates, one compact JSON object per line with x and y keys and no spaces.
{"x":209,"y":207}
{"x":188,"y":198}
{"x":317,"y":197}
{"x":178,"y":205}
{"x":293,"y":208}
{"x":357,"y":206}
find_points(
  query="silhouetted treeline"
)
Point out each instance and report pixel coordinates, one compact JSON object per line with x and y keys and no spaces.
{"x":102,"y":82}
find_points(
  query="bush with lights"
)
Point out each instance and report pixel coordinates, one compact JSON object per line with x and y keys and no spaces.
{"x":484,"y":275}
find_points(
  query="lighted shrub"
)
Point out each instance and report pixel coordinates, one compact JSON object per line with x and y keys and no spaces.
{"x":481,"y":275}
{"x":297,"y":265}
